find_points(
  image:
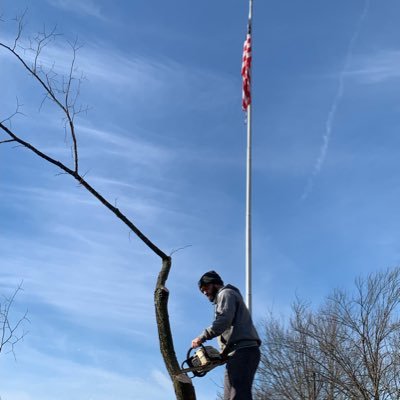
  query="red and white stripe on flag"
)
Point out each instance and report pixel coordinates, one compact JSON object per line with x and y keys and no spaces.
{"x":246,"y":68}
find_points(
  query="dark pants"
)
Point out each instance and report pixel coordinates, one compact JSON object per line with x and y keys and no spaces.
{"x":239,"y":374}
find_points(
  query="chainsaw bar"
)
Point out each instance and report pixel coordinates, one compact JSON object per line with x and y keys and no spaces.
{"x":203,"y":368}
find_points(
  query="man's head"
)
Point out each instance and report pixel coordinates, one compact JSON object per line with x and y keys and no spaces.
{"x":209,"y":284}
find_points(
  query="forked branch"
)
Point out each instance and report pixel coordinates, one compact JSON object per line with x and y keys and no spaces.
{"x":63,"y":92}
{"x":60,"y":90}
{"x":11,"y":331}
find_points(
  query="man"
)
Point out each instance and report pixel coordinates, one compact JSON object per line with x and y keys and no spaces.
{"x":236,"y":334}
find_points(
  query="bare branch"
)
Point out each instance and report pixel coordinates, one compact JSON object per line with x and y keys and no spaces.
{"x":10,"y":333}
{"x":63,"y":91}
{"x":62,"y":95}
{"x":350,"y":346}
{"x":7,"y":141}
{"x":16,"y":112}
{"x":41,"y":40}
{"x":68,"y":106}
{"x":179,"y":249}
{"x":21,"y":23}
{"x":89,"y":188}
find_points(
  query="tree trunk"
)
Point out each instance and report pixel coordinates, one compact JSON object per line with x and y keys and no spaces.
{"x":61,"y":93}
{"x":184,"y":390}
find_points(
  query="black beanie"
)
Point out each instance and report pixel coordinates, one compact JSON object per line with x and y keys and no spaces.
{"x":210,"y":277}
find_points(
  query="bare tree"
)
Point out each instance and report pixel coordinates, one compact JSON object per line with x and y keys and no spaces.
{"x":287,"y":369}
{"x":62,"y":90}
{"x":347,"y":349}
{"x":11,"y":331}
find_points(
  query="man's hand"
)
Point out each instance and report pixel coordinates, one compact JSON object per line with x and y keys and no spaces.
{"x":196,"y":342}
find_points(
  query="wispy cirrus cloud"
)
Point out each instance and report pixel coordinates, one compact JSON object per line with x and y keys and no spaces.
{"x":124,"y":146}
{"x":84,"y":8}
{"x":70,"y":379}
{"x":86,"y":289}
{"x":158,"y":81}
{"x":326,"y":137}
{"x":376,"y":68}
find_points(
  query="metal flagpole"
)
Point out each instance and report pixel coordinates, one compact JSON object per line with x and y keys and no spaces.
{"x":248,"y":215}
{"x":248,"y":178}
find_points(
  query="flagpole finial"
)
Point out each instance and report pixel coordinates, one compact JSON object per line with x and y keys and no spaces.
{"x":250,"y":11}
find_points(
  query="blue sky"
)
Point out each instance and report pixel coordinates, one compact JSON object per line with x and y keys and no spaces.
{"x":164,"y":138}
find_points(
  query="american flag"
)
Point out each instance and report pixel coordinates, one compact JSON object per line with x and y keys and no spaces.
{"x":246,"y":67}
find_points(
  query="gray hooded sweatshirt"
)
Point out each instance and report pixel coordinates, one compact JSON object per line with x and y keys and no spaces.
{"x":232,"y":324}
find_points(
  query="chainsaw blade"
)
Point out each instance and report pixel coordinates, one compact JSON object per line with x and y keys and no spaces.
{"x":203,"y":368}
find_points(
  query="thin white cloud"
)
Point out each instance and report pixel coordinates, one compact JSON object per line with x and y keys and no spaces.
{"x":137,"y":187}
{"x":137,"y":150}
{"x":84,"y":8}
{"x":69,"y":379}
{"x":335,"y":104}
{"x":161,"y":379}
{"x":377,"y":68}
{"x":160,"y":81}
{"x":61,"y":268}
{"x":87,"y":290}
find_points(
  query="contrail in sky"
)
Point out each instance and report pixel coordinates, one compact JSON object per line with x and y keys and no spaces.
{"x":332,"y":112}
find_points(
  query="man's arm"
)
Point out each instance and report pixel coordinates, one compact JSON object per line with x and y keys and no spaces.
{"x":225,"y":313}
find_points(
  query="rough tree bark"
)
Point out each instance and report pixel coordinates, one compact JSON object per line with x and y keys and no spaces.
{"x":59,"y":90}
{"x":183,"y":389}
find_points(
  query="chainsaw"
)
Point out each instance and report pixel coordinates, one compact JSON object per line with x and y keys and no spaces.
{"x":204,"y":360}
